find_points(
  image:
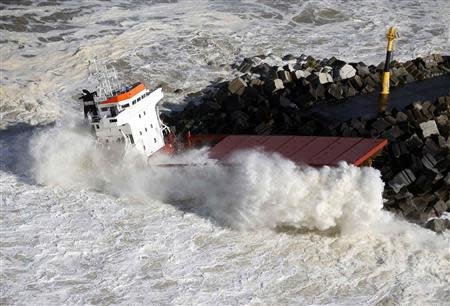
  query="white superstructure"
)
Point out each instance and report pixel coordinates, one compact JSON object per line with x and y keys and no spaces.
{"x":124,"y":114}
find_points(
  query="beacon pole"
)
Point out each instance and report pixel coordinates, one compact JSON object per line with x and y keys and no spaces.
{"x":384,"y":95}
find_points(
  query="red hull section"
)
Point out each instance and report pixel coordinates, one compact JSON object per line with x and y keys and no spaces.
{"x":310,"y":150}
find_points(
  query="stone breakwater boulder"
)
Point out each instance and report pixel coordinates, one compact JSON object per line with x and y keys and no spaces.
{"x":268,"y":93}
{"x":269,"y":99}
{"x":416,"y":163}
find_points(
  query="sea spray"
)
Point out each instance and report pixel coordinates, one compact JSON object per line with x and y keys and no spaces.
{"x":250,"y":190}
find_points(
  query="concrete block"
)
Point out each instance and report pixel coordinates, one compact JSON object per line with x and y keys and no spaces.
{"x":423,"y":184}
{"x":443,"y":143}
{"x":438,"y":58}
{"x":430,"y":147}
{"x":398,"y":149}
{"x":391,"y":120}
{"x":346,"y":72}
{"x":393,"y":133}
{"x":349,"y":91}
{"x":440,"y":207}
{"x":289,"y":57}
{"x":285,"y":102}
{"x":443,"y":124}
{"x":256,"y":82}
{"x":263,"y":129}
{"x":335,"y":91}
{"x":402,"y":179}
{"x":246,"y":65}
{"x":447,"y":179}
{"x":380,"y":125}
{"x":418,"y":116}
{"x":285,"y":76}
{"x":313,"y":78}
{"x":429,"y":161}
{"x":323,"y":77}
{"x":301,"y":74}
{"x":357,"y":82}
{"x":237,"y":86}
{"x":438,"y":225}
{"x":407,"y":207}
{"x":362,"y":69}
{"x":274,"y":85}
{"x":429,"y":128}
{"x":401,"y":117}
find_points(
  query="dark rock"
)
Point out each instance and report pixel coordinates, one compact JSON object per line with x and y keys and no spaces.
{"x":237,"y":86}
{"x":393,"y":133}
{"x":265,"y":71}
{"x":273,"y":85}
{"x":335,"y":91}
{"x":440,"y":207}
{"x":401,"y":117}
{"x":391,"y":120}
{"x":380,"y":125}
{"x":289,"y":57}
{"x":362,"y":69}
{"x":357,"y":82}
{"x":246,"y":65}
{"x":313,"y":79}
{"x":430,"y":147}
{"x":402,"y":179}
{"x":438,"y":225}
{"x":447,"y":179}
{"x":443,"y":125}
{"x":423,"y":184}
{"x":349,"y":91}
{"x":398,"y":149}
{"x":263,"y":129}
{"x":414,"y":142}
{"x":285,"y":102}
{"x":285,"y":76}
{"x":429,"y":161}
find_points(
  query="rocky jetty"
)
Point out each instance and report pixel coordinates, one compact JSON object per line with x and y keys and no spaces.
{"x":274,"y":99}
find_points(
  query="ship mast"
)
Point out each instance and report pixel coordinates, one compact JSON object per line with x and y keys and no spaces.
{"x":106,"y":76}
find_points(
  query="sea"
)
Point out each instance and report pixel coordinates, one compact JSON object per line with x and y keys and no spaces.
{"x":81,"y":225}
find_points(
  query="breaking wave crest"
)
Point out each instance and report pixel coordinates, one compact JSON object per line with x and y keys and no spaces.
{"x":251,"y":190}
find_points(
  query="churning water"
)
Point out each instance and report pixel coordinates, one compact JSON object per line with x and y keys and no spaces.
{"x":80,"y":225}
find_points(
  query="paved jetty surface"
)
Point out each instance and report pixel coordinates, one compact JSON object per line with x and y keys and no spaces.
{"x":367,"y":105}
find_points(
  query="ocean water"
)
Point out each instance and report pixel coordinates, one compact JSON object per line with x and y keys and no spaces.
{"x":83,"y":226}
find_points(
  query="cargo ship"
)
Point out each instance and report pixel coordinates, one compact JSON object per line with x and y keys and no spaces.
{"x":128,"y":115}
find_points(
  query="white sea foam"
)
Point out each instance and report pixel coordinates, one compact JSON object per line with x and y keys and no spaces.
{"x":90,"y":228}
{"x":188,"y":44}
{"x":265,"y":231}
{"x":250,"y":190}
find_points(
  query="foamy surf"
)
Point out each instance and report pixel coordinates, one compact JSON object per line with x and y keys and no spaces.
{"x":252,"y":190}
{"x":79,"y":237}
{"x":98,"y":229}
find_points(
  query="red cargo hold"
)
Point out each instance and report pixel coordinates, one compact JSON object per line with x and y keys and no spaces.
{"x":310,"y":150}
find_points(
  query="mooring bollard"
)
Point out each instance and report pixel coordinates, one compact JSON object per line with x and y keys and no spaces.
{"x":384,"y":95}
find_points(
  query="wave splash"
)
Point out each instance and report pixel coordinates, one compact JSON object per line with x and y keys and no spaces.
{"x":253,"y":190}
